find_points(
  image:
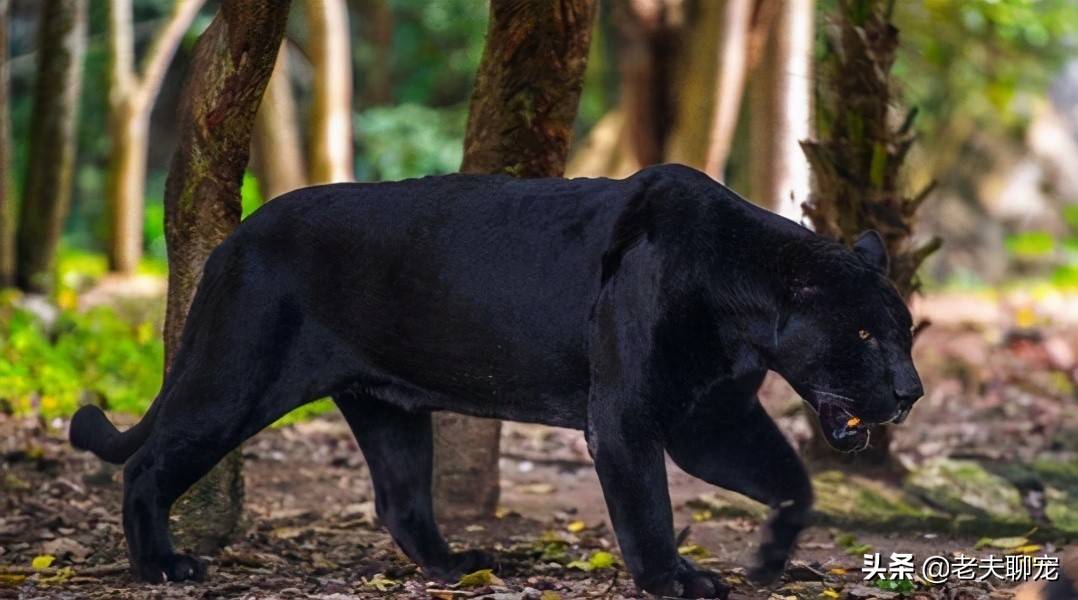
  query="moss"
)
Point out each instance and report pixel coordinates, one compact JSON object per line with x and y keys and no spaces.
{"x":855,"y":501}
{"x":964,"y":487}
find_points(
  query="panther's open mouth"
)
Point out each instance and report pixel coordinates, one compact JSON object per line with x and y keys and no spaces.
{"x":843,"y":430}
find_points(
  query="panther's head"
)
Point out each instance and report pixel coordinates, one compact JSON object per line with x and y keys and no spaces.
{"x":843,"y":340}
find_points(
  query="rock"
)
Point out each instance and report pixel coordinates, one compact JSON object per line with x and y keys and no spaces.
{"x":850,"y":500}
{"x":66,"y":547}
{"x":982,"y":502}
{"x":1060,"y":478}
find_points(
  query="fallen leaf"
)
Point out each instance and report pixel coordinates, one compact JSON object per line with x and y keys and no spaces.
{"x":830,"y":593}
{"x":549,"y":595}
{"x":837,"y":571}
{"x":480,"y":578}
{"x":381,"y":583}
{"x":1028,"y":549}
{"x":62,"y":575}
{"x":576,"y":526}
{"x":62,"y":546}
{"x":1006,"y":543}
{"x":42,"y":561}
{"x":602,"y":560}
{"x":536,"y":488}
{"x":702,"y":515}
{"x":693,"y":550}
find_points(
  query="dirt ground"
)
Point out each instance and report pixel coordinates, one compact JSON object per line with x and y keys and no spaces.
{"x":310,"y":531}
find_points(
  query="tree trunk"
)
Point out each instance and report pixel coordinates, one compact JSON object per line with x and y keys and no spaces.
{"x":278,"y":146}
{"x":780,"y":107}
{"x":7,"y":187}
{"x":131,"y":98}
{"x":331,"y":107}
{"x":519,"y":122}
{"x":857,"y":165}
{"x":695,"y":84}
{"x":51,"y":163}
{"x":730,"y":81}
{"x":376,"y":16}
{"x":229,"y":71}
{"x":649,"y":33}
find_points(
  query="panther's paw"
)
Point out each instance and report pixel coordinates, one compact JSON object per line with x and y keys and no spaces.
{"x":766,"y":572}
{"x":689,"y":581}
{"x":174,"y":567}
{"x":462,"y":563}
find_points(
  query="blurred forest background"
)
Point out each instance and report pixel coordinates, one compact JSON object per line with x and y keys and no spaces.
{"x":994,"y":83}
{"x":951,"y":126}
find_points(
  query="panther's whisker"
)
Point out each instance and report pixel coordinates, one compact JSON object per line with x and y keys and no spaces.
{"x":845,"y":399}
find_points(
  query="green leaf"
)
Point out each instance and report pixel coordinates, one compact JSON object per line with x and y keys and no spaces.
{"x":480,"y":578}
{"x":902,"y":586}
{"x":1001,"y":543}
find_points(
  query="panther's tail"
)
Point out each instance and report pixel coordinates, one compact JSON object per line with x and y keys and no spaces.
{"x":91,"y":430}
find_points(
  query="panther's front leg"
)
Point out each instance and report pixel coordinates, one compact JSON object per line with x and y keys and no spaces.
{"x":743,"y":450}
{"x":631,"y":469}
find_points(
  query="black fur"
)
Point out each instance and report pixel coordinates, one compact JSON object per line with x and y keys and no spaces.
{"x":644,"y":311}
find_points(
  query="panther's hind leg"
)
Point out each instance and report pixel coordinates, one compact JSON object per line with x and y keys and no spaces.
{"x":748,"y":454}
{"x":236,"y":381}
{"x":398,"y":447}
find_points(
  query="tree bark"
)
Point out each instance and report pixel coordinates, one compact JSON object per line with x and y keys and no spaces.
{"x":7,"y":188}
{"x":780,"y":107}
{"x":231,"y":66}
{"x":519,"y":122}
{"x":278,"y":146}
{"x":528,"y":87}
{"x":51,"y":163}
{"x":331,"y":106}
{"x":131,"y":98}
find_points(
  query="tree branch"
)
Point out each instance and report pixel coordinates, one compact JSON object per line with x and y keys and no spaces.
{"x":121,"y":46}
{"x":163,"y":47}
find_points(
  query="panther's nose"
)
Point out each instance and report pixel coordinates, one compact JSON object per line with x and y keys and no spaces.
{"x":904,"y":399}
{"x":907,"y":396}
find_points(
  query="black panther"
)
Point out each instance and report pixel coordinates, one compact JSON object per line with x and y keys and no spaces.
{"x":643,"y":311}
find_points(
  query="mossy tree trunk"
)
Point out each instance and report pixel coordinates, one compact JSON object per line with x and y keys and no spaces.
{"x":857,"y":159}
{"x":231,"y":65}
{"x":520,"y":122}
{"x":51,"y":163}
{"x":7,"y":187}
{"x":330,"y":51}
{"x":131,"y":96}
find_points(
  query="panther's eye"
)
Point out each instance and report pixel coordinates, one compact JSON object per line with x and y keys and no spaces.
{"x":864,"y":334}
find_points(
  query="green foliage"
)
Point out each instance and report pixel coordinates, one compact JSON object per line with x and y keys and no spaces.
{"x":409,"y":140}
{"x":436,"y":49}
{"x":307,"y":411}
{"x":94,"y":355}
{"x":902,"y":586}
{"x":250,"y":195}
{"x":981,"y":61}
{"x":1030,"y":244}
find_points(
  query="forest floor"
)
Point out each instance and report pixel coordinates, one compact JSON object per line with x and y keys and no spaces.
{"x":992,"y":454}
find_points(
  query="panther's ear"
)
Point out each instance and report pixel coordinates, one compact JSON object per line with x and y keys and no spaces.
{"x":870,"y":247}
